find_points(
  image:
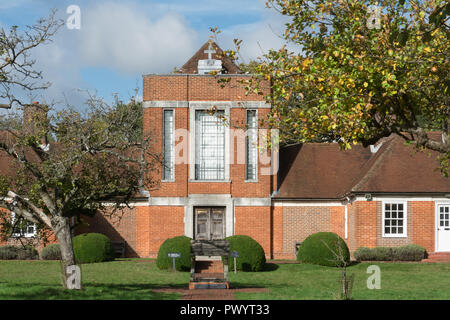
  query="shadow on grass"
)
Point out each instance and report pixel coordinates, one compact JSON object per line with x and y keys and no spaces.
{"x":270,"y":267}
{"x":90,"y":291}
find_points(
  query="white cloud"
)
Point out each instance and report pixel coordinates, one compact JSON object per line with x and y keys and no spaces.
{"x":258,"y":37}
{"x":122,"y":37}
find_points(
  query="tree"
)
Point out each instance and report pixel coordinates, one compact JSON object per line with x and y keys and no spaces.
{"x":16,"y":66}
{"x":97,"y":163}
{"x":354,"y":81}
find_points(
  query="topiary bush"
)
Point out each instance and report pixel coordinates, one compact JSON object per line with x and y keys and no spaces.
{"x":51,"y":252}
{"x":409,"y":252}
{"x":181,"y":244}
{"x":251,"y":255}
{"x":318,"y":249}
{"x":10,"y":252}
{"x":92,"y":247}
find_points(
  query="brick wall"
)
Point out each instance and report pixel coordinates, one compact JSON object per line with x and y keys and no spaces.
{"x":423,"y":223}
{"x":121,"y":226}
{"x":154,"y":225}
{"x":195,"y":88}
{"x":181,"y":187}
{"x":300,"y":222}
{"x":365,"y":225}
{"x":256,"y":223}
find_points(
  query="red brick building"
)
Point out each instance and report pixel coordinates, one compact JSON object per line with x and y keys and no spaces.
{"x":216,"y":182}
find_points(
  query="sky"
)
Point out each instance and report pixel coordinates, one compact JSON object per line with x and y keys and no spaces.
{"x":119,"y":41}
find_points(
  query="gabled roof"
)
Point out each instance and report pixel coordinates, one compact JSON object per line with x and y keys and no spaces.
{"x":228,"y":66}
{"x":323,"y":171}
{"x":400,"y":168}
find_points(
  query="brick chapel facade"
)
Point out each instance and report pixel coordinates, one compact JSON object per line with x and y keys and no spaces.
{"x":216,"y":181}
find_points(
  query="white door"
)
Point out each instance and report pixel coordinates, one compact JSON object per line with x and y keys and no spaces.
{"x":443,"y":227}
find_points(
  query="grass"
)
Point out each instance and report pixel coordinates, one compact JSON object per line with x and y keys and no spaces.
{"x":124,"y":280}
{"x":136,"y":279}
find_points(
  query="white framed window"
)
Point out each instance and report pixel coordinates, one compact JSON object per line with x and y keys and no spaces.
{"x":394,"y":218}
{"x":168,"y":145}
{"x":251,"y":139}
{"x":22,"y":228}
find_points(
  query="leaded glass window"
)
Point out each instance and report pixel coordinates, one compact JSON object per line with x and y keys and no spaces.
{"x":168,"y":170}
{"x":251,"y":146}
{"x":209,"y":146}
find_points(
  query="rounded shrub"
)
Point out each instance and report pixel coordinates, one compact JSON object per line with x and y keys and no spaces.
{"x":251,"y":254}
{"x":181,"y":244}
{"x":321,"y":248}
{"x":51,"y":252}
{"x":92,"y":247}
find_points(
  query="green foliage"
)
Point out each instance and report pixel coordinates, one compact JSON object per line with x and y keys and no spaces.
{"x":4,"y":185}
{"x":409,"y":252}
{"x":10,"y":252}
{"x":181,"y":244}
{"x":251,"y":254}
{"x":51,"y":252}
{"x":250,"y":67}
{"x":92,"y":247}
{"x":352,"y":83}
{"x":324,"y":248}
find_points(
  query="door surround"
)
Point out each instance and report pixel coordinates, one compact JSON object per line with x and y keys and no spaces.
{"x":208,"y":200}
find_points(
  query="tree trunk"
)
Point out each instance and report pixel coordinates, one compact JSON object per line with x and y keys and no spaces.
{"x":64,"y":237}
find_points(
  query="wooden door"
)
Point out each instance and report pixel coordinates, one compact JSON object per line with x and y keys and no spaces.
{"x":209,"y":223}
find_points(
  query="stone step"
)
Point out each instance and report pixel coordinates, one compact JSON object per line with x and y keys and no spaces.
{"x":209,"y":276}
{"x":209,"y":285}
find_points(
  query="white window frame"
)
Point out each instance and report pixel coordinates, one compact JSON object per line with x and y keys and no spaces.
{"x":25,"y":235}
{"x":246,"y":147}
{"x":172,"y":179}
{"x":405,"y":219}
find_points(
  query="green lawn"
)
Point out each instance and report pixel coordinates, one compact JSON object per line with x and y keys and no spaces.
{"x":135,"y":279}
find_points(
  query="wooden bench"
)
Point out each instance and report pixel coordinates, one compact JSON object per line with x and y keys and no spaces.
{"x":119,"y":248}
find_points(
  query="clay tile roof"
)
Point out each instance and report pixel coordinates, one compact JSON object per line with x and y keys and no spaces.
{"x":228,"y":66}
{"x":323,"y":171}
{"x":319,"y":170}
{"x":401,"y":169}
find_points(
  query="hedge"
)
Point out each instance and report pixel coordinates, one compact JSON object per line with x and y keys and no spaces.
{"x":10,"y":252}
{"x":181,"y":244}
{"x":409,"y":252}
{"x":51,"y":252}
{"x":320,"y":248}
{"x":251,"y":255}
{"x":92,"y":247}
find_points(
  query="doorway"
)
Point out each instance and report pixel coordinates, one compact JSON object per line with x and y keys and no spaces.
{"x":209,"y":223}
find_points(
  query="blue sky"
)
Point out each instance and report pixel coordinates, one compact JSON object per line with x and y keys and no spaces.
{"x":119,"y":41}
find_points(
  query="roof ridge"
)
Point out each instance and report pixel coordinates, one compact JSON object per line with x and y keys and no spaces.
{"x":192,"y":62}
{"x":376,"y":162}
